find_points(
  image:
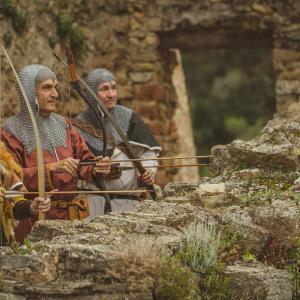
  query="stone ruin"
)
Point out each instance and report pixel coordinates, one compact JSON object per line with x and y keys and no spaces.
{"x":252,"y":190}
{"x":140,"y":41}
{"x":255,"y":192}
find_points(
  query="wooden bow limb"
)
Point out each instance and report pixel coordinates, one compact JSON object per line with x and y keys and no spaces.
{"x":13,"y":194}
{"x":39,"y":151}
{"x":77,"y":80}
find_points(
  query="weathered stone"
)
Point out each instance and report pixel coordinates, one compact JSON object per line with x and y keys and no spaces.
{"x":263,"y":9}
{"x":278,"y":145}
{"x":210,"y":189}
{"x":280,"y":212}
{"x":257,"y":281}
{"x":251,"y":237}
{"x":285,"y":101}
{"x":11,"y":297}
{"x":140,"y":77}
{"x":152,"y":92}
{"x":287,"y":87}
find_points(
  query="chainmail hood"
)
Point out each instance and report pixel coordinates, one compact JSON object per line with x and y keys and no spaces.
{"x":122,"y":115}
{"x":52,"y":129}
{"x":94,"y":79}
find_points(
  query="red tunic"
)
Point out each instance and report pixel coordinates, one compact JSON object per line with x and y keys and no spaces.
{"x":75,"y":147}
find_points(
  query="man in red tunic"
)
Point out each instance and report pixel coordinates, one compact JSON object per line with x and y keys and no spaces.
{"x":15,"y":207}
{"x":62,"y":145}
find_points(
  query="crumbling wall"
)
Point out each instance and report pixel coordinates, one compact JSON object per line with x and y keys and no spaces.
{"x":133,"y":39}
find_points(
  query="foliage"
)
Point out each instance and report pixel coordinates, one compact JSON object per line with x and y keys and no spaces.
{"x":63,"y":25}
{"x":294,"y":265}
{"x":267,"y":195}
{"x":248,"y":257}
{"x":76,"y":38}
{"x":175,"y":281}
{"x":52,"y":41}
{"x":67,"y":30}
{"x":143,"y":259}
{"x":25,"y":249}
{"x":231,"y":93}
{"x":18,"y":18}
{"x":229,"y":249}
{"x":239,"y":127}
{"x":200,"y":251}
{"x":200,"y":248}
{"x":281,"y":241}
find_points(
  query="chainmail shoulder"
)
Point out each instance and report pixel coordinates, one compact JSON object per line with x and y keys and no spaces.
{"x":122,"y":115}
{"x":52,"y":130}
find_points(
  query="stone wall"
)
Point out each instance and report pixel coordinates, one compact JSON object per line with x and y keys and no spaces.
{"x":133,"y":38}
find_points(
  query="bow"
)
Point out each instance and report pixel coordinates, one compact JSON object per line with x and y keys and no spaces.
{"x":99,"y":180}
{"x":39,"y":151}
{"x":76,"y":79}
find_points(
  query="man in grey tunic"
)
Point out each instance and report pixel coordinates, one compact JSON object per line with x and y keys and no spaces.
{"x":103,"y":83}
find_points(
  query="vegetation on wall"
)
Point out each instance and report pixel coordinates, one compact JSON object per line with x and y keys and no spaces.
{"x":67,"y":30}
{"x":18,"y":18}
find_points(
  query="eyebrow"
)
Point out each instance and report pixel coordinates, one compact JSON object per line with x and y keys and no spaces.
{"x":48,"y":85}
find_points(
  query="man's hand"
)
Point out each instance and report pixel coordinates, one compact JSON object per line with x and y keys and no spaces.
{"x":40,"y":204}
{"x":147,"y":177}
{"x":69,"y":165}
{"x":115,"y":172}
{"x":103,"y":165}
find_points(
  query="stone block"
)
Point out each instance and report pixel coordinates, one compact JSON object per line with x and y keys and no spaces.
{"x":140,"y":77}
{"x":251,"y":237}
{"x":258,"y":281}
{"x":156,"y":92}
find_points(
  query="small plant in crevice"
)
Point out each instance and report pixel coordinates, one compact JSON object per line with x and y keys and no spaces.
{"x":52,"y":41}
{"x":268,"y":195}
{"x":229,"y":249}
{"x":175,"y":281}
{"x":201,"y":245}
{"x":279,"y":243}
{"x":146,"y":263}
{"x":63,"y":25}
{"x":248,"y":257}
{"x":68,"y":31}
{"x":200,"y":251}
{"x":25,"y":249}
{"x":293,"y":267}
{"x":76,"y":39}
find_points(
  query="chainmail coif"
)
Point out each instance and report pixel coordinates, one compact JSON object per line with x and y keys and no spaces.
{"x":52,"y":129}
{"x":121,"y":113}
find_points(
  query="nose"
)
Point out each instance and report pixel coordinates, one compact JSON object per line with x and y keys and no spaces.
{"x":54,"y":93}
{"x":110,"y":92}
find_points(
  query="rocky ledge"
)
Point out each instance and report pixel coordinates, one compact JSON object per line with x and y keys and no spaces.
{"x":239,"y":227}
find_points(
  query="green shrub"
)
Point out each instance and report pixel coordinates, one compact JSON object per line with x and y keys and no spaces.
{"x":200,"y":251}
{"x":66,"y":30}
{"x":76,"y":39}
{"x":175,"y":281}
{"x":248,"y":257}
{"x":63,"y":25}
{"x":200,"y":248}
